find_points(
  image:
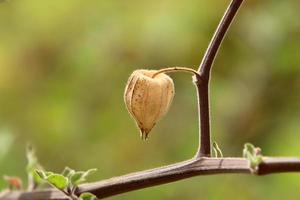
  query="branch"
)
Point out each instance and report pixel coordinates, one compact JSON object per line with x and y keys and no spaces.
{"x":218,"y":37}
{"x":202,"y":81}
{"x":166,"y":174}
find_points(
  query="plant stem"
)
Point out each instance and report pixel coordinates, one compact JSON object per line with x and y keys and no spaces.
{"x":162,"y":175}
{"x":63,"y":191}
{"x":205,"y":70}
{"x":204,"y":149}
{"x":175,"y":69}
{"x":218,"y":37}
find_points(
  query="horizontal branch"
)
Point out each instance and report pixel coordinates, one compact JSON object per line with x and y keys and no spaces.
{"x":166,"y":174}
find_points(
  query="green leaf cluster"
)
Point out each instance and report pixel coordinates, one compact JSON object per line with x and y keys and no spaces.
{"x":68,"y":181}
{"x":253,"y":155}
{"x":87,"y":196}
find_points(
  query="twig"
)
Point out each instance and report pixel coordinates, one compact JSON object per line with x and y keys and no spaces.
{"x":202,"y":81}
{"x":218,"y":37}
{"x":175,"y":69}
{"x":166,"y":174}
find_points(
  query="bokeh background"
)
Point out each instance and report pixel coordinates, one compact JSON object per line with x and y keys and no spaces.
{"x":63,"y":69}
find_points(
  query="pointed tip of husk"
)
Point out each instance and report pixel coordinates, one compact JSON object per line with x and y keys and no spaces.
{"x":144,"y":134}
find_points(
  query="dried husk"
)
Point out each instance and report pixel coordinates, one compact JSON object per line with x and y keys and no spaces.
{"x":148,"y":99}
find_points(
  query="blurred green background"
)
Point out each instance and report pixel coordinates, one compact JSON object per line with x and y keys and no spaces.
{"x":63,"y":69}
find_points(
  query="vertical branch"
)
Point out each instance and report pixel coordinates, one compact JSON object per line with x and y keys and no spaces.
{"x":204,"y":148}
{"x":202,"y":81}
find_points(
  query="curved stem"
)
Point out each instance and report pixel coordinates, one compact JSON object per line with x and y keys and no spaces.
{"x":218,"y":37}
{"x":176,"y":69}
{"x":204,"y":70}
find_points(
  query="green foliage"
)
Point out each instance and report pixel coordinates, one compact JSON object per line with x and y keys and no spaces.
{"x":68,"y":181}
{"x":87,"y":196}
{"x":68,"y":172}
{"x":58,"y":181}
{"x":80,"y":176}
{"x":253,"y":155}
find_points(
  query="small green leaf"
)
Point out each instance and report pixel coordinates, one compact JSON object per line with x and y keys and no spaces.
{"x":58,"y":181}
{"x":87,"y":196}
{"x":41,"y":174}
{"x":80,"y":176}
{"x":48,"y":173}
{"x":248,"y":147}
{"x":68,"y":172}
{"x":253,"y":155}
{"x":89,"y":172}
{"x":77,"y":178}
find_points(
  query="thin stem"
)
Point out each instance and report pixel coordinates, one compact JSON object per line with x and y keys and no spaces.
{"x":175,"y":69}
{"x":204,"y":149}
{"x":218,"y":37}
{"x":74,"y":188}
{"x":66,"y":193}
{"x":203,"y":85}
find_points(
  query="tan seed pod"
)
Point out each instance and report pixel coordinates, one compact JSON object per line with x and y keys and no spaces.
{"x":148,"y":98}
